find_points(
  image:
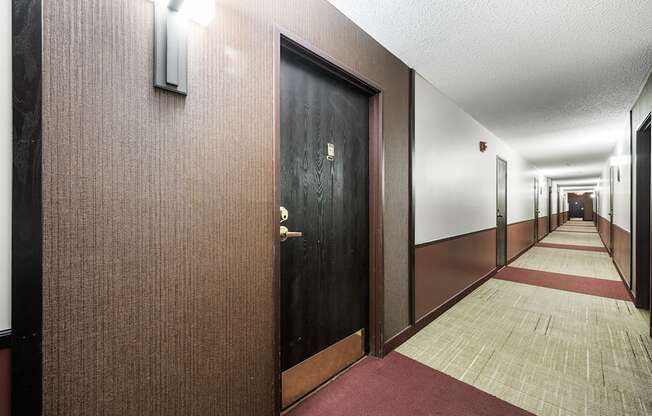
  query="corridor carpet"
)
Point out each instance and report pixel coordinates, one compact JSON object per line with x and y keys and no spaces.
{"x":587,"y":285}
{"x":400,"y":386}
{"x":573,"y":247}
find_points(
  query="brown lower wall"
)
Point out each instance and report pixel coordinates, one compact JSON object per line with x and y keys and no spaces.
{"x":603,"y":229}
{"x":5,"y":382}
{"x":622,"y":254}
{"x":445,"y":268}
{"x":543,"y":227}
{"x":555,"y":221}
{"x":520,"y":236}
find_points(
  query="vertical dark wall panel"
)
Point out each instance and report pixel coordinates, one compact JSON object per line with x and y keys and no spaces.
{"x":5,"y":382}
{"x":159,"y":211}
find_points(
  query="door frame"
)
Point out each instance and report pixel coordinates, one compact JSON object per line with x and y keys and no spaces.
{"x":498,"y":160}
{"x":285,"y":38}
{"x":643,"y":284}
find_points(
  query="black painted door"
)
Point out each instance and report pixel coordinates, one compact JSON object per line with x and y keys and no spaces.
{"x":536,"y":209}
{"x":501,"y":212}
{"x":324,"y":273}
{"x":576,"y":206}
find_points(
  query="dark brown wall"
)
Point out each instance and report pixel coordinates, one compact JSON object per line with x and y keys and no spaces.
{"x":5,"y":382}
{"x":159,"y":212}
{"x":622,"y":253}
{"x":604,"y":231}
{"x":543,"y":227}
{"x":554,"y":219}
{"x":445,"y":268}
{"x":520,"y":236}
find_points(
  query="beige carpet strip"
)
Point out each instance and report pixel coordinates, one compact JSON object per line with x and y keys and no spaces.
{"x":574,"y":262}
{"x":578,"y":239}
{"x":547,"y":351}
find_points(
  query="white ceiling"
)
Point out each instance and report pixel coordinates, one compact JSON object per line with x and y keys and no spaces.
{"x":554,"y":79}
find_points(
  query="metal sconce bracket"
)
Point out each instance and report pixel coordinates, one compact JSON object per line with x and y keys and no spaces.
{"x":170,"y":48}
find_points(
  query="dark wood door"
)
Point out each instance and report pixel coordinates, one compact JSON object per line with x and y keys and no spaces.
{"x":549,"y":205}
{"x":501,"y":212}
{"x":536,"y":210}
{"x":611,"y":209}
{"x":575,"y":206}
{"x":324,"y":185}
{"x":641,"y":280}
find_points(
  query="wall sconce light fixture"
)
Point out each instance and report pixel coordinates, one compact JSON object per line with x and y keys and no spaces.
{"x":171,"y":23}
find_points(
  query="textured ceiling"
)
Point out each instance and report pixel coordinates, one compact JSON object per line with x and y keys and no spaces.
{"x":555,"y":79}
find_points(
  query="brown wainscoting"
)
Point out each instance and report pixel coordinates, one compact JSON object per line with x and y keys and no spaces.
{"x":622,"y":254}
{"x":5,"y":382}
{"x":603,"y":230}
{"x":520,"y":237}
{"x":444,"y":268}
{"x":555,"y":223}
{"x":543,"y":227}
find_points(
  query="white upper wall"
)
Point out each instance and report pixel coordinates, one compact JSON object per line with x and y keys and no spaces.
{"x":455,"y":184}
{"x":620,"y":160}
{"x":5,"y":164}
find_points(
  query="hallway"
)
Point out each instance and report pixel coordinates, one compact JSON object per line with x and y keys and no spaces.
{"x":545,"y":346}
{"x":325,"y":208}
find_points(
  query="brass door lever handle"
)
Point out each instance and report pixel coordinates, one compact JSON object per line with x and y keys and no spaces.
{"x":285,"y":233}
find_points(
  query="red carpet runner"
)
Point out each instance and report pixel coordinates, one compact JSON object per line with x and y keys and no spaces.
{"x":400,"y":386}
{"x":573,"y":247}
{"x":587,"y":285}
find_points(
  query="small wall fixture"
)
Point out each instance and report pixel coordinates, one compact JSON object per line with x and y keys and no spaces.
{"x":171,"y":22}
{"x":483,"y":147}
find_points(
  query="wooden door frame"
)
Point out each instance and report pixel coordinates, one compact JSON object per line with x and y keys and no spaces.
{"x":645,"y":300}
{"x":282,"y":37}
{"x":498,"y":160}
{"x":26,"y":335}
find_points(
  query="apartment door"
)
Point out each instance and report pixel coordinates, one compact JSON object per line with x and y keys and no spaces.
{"x":641,"y":280}
{"x":560,"y":209}
{"x":324,"y":251}
{"x":549,"y":205}
{"x":536,"y":210}
{"x":501,"y":212}
{"x":611,"y":209}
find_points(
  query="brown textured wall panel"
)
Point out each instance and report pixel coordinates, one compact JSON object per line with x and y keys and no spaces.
{"x":603,"y":229}
{"x":622,"y":253}
{"x":159,"y":213}
{"x":5,"y":382}
{"x":519,"y":237}
{"x":445,"y":268}
{"x":554,"y":219}
{"x":543,"y":227}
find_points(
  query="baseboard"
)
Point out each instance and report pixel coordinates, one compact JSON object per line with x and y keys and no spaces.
{"x":411,"y":330}
{"x":622,"y":277}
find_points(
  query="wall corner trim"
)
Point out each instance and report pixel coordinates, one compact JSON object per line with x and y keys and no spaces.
{"x":27,"y":209}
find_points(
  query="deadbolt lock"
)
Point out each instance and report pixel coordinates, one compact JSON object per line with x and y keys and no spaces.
{"x":284,"y":214}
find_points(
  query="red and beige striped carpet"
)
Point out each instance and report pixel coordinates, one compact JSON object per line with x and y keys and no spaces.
{"x":555,"y":333}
